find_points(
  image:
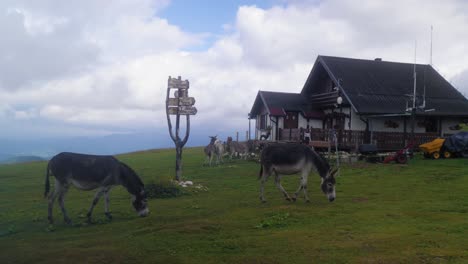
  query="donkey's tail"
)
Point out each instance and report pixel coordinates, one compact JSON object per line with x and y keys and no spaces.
{"x":47,"y":183}
{"x":260,"y":172}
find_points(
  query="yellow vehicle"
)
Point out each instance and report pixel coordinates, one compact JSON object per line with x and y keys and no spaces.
{"x":433,"y":149}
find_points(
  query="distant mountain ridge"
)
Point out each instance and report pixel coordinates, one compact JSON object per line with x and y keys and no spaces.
{"x":20,"y":159}
{"x":25,"y":150}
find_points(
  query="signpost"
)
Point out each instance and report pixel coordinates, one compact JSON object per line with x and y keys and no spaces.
{"x":181,"y":110}
{"x":181,"y":104}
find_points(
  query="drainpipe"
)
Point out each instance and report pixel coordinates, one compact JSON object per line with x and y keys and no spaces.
{"x":276,"y":127}
{"x":366,"y":121}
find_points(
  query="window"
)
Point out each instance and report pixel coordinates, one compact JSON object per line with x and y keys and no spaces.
{"x":263,"y":121}
{"x":431,"y":125}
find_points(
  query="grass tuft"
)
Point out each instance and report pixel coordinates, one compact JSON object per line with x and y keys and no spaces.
{"x":275,"y":221}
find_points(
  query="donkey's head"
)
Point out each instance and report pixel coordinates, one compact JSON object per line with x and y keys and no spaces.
{"x":135,"y":186}
{"x":213,"y":139}
{"x":328,"y":184}
{"x":139,"y":202}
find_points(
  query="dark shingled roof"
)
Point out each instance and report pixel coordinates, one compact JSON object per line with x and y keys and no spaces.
{"x":380,"y":87}
{"x":277,"y":103}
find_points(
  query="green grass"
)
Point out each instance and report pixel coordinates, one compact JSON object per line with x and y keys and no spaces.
{"x":416,"y":213}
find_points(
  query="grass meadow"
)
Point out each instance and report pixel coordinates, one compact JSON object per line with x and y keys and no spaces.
{"x":416,"y":213}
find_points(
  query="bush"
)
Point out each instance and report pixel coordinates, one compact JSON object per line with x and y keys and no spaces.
{"x":162,"y":190}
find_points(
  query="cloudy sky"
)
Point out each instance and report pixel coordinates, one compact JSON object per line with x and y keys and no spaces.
{"x":96,"y":67}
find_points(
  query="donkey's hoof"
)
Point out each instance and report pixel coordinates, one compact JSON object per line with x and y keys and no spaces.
{"x":288,"y":199}
{"x":294,"y":199}
{"x":108,"y":216}
{"x":307,"y":201}
{"x":68,"y":221}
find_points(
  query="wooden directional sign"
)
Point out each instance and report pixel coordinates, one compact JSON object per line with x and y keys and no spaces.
{"x":183,"y":110}
{"x":174,"y":83}
{"x":182,"y":101}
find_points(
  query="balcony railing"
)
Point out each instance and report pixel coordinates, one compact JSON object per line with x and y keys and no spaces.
{"x":351,"y":139}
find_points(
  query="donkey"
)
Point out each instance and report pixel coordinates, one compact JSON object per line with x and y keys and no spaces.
{"x":210,"y":150}
{"x":234,"y":147}
{"x":287,"y":159}
{"x":219,"y":151}
{"x":89,"y":172}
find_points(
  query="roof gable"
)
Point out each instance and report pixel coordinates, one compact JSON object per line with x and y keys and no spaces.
{"x":278,"y":103}
{"x":379,"y":87}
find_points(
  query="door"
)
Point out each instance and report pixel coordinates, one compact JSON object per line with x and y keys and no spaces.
{"x":291,"y":120}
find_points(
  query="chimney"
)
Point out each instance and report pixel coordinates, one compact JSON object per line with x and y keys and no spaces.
{"x":378,"y":59}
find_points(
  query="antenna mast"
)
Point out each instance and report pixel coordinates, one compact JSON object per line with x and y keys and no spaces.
{"x":414,"y":74}
{"x":413,"y":109}
{"x":430,"y":54}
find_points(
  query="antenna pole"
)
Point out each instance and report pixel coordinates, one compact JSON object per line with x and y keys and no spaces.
{"x":413,"y":109}
{"x":430,"y":54}
{"x":414,"y":75}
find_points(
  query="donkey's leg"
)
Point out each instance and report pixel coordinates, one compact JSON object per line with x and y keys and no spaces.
{"x":106,"y":205}
{"x":266,"y":173}
{"x":51,"y":202}
{"x":304,"y":176}
{"x":95,"y":201}
{"x":296,"y":194}
{"x":280,"y":187}
{"x":264,"y":178}
{"x":61,"y":200}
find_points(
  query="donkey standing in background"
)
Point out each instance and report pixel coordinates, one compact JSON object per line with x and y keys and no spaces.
{"x":210,"y":151}
{"x":237,"y":148}
{"x":219,"y":151}
{"x":88,"y":172}
{"x":287,"y":159}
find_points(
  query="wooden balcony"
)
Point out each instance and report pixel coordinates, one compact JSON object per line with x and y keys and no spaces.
{"x":351,"y":139}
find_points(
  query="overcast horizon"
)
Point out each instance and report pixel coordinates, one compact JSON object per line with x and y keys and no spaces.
{"x":98,"y":69}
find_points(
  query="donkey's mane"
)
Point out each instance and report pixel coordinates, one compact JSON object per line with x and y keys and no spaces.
{"x":321,"y":164}
{"x":130,"y":179}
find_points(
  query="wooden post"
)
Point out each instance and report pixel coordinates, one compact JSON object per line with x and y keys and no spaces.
{"x":180,"y":105}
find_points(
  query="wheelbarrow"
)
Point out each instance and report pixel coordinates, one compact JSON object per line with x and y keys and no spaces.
{"x":433,"y":149}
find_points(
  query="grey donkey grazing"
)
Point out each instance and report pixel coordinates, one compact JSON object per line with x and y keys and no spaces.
{"x":88,"y":172}
{"x":286,"y":159}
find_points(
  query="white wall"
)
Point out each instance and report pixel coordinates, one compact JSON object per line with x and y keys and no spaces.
{"x":356,"y":122}
{"x":448,"y":122}
{"x":302,"y":123}
{"x":313,"y":123}
{"x":378,"y":124}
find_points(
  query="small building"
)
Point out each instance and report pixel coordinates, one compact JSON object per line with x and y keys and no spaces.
{"x":363,"y":101}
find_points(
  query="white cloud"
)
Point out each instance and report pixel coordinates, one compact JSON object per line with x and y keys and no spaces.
{"x":101,"y":65}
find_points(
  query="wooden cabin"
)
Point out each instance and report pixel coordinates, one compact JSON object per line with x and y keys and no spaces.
{"x":362,"y":101}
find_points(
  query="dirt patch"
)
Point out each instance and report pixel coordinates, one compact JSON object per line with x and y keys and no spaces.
{"x":360,"y":165}
{"x":360,"y":199}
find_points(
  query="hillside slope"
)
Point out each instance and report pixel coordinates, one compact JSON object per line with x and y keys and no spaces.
{"x":383,"y":213}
